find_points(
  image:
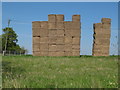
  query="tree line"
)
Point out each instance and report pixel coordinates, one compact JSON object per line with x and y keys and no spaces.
{"x":9,"y":41}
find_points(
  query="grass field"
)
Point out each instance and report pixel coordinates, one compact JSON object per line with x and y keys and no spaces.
{"x":60,"y":72}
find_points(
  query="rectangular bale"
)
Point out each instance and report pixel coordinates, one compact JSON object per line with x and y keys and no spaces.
{"x":36,"y":40}
{"x":36,"y":32}
{"x":101,"y":36}
{"x":60,"y":25}
{"x":106,"y":20}
{"x":97,"y":25}
{"x":60,"y":48}
{"x":44,"y":47}
{"x":68,"y":47}
{"x":101,"y":31}
{"x":76,"y":18}
{"x":68,"y":53}
{"x":68,"y":33}
{"x":76,"y":53}
{"x":60,"y":32}
{"x":44,"y":53}
{"x":52,"y":48}
{"x":51,"y":25}
{"x":44,"y":32}
{"x":68,"y":25}
{"x":59,"y":18}
{"x":68,"y":39}
{"x":36,"y":24}
{"x":44,"y":40}
{"x":44,"y":24}
{"x":102,"y":41}
{"x":75,"y":32}
{"x":36,"y":47}
{"x":60,"y":40}
{"x":76,"y":40}
{"x":52,"y":32}
{"x":36,"y":53}
{"x":51,"y":18}
{"x":60,"y":53}
{"x":76,"y":26}
{"x":52,"y":53}
{"x":52,"y":39}
{"x":75,"y":47}
{"x":106,"y":26}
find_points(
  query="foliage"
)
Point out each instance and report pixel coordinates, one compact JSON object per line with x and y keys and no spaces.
{"x":59,"y":72}
{"x":10,"y":37}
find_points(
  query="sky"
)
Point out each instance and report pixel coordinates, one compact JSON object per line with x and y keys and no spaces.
{"x":23,"y":13}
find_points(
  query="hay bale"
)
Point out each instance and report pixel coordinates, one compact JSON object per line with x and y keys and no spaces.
{"x":68,"y":25}
{"x":68,"y":53}
{"x":36,"y":47}
{"x":44,"y":40}
{"x":36,"y":53}
{"x":106,"y":26}
{"x":51,"y":25}
{"x":52,"y":48}
{"x":60,"y":53}
{"x":60,"y":32}
{"x":60,"y":25}
{"x":44,"y":53}
{"x":36,"y":40}
{"x":36,"y":32}
{"x":36,"y":24}
{"x":75,"y":47}
{"x":76,"y":18}
{"x":52,"y":32}
{"x":68,"y":33}
{"x":75,"y":32}
{"x":76,"y":40}
{"x":44,"y":24}
{"x":52,"y":40}
{"x":52,"y":53}
{"x":68,"y":40}
{"x":76,"y":26}
{"x":100,"y":36}
{"x":43,"y":47}
{"x":68,"y":47}
{"x":44,"y":32}
{"x":51,"y":18}
{"x":60,"y":48}
{"x":60,"y":40}
{"x":97,"y":26}
{"x":106,"y":20}
{"x":59,"y":17}
{"x":76,"y":53}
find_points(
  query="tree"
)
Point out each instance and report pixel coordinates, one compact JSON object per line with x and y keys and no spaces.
{"x":9,"y":40}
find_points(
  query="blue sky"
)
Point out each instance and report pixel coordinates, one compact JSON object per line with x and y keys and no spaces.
{"x":22,"y":14}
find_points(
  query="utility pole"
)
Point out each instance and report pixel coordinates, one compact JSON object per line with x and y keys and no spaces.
{"x":6,"y":37}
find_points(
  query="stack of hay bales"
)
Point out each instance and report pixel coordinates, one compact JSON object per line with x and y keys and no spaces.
{"x":102,"y":37}
{"x":72,"y":36}
{"x":56,"y":37}
{"x":40,"y":38}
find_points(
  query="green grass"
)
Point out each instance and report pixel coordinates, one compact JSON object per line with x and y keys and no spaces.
{"x":60,"y":72}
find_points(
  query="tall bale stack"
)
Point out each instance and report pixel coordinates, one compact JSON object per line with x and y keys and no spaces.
{"x":76,"y":35}
{"x":56,"y":37}
{"x":52,"y":34}
{"x":102,"y":38}
{"x":72,"y":36}
{"x":36,"y":38}
{"x":44,"y":38}
{"x":60,"y":35}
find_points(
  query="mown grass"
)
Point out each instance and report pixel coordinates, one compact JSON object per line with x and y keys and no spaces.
{"x":59,"y":72}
